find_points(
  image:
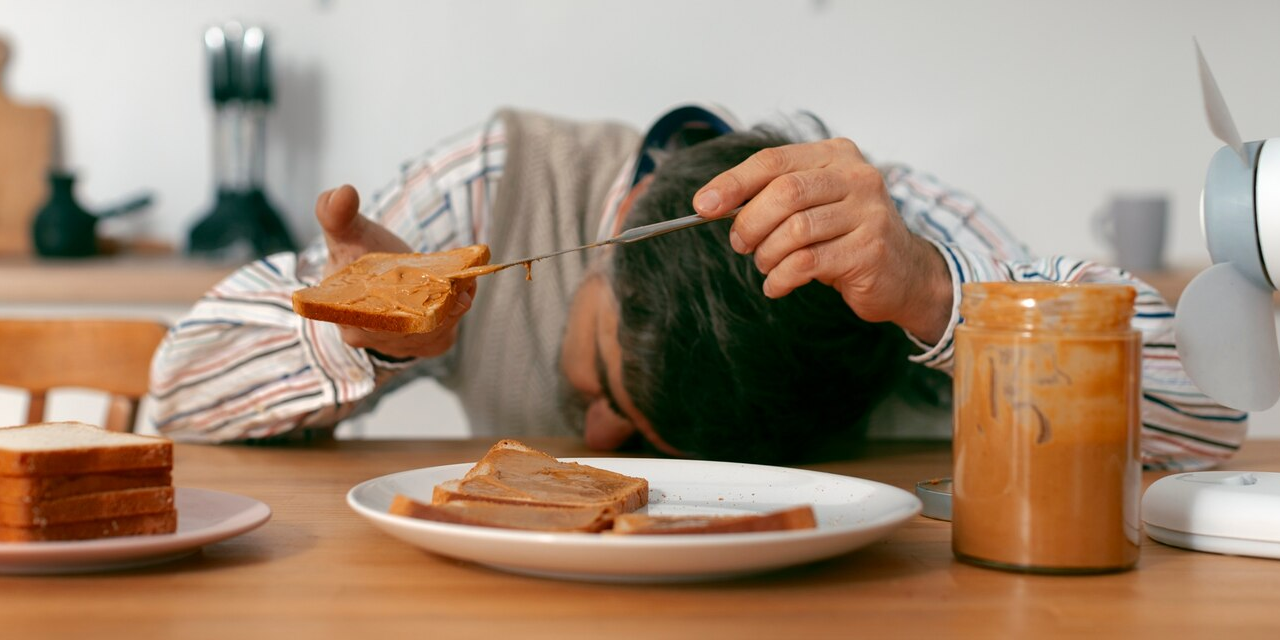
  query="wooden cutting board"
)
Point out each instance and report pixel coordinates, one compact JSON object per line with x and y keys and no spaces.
{"x":26,"y":151}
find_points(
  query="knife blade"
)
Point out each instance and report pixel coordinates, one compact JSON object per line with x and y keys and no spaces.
{"x":634,"y":234}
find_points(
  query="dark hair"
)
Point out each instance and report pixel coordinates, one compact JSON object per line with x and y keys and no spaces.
{"x":720,"y":370}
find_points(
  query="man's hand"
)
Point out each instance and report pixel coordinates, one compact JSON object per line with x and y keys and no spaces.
{"x":820,"y":211}
{"x":350,"y":235}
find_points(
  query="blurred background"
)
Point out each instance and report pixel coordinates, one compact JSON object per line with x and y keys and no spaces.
{"x":1044,"y":112}
{"x":1040,"y":110}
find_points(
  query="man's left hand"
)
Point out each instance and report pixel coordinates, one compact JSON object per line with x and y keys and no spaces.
{"x":820,"y":211}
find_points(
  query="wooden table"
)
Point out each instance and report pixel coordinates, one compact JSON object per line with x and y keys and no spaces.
{"x":317,"y":570}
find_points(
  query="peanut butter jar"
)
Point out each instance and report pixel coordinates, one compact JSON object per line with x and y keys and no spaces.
{"x":1047,"y":472}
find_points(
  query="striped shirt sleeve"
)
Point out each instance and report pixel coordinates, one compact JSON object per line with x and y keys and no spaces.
{"x":1182,"y":429}
{"x":242,"y":365}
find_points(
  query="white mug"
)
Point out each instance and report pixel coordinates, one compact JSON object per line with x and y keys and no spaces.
{"x":1134,"y":228}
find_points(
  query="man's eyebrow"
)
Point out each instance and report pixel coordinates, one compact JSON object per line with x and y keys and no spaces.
{"x":603,"y":374}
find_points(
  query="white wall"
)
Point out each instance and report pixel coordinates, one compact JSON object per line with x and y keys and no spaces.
{"x":1039,"y":109}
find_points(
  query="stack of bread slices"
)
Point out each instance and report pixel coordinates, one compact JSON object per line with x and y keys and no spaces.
{"x":74,"y":481}
{"x":518,"y":487}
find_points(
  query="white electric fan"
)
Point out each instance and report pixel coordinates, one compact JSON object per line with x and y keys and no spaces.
{"x":1226,"y":335}
{"x":1225,"y":324}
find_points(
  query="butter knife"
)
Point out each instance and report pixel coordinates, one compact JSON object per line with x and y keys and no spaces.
{"x":634,"y":234}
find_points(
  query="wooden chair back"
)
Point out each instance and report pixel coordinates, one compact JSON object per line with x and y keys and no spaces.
{"x":113,"y":356}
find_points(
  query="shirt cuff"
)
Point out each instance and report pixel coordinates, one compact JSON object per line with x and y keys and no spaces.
{"x":389,"y":363}
{"x":938,"y":356}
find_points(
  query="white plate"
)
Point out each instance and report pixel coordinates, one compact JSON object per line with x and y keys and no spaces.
{"x":204,"y":516}
{"x":851,"y":513}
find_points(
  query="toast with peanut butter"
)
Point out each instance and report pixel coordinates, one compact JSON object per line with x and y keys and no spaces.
{"x":788,"y":519}
{"x":502,"y":515}
{"x":517,"y":487}
{"x":514,"y":473}
{"x":398,"y":292}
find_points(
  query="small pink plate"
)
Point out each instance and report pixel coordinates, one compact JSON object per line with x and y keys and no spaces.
{"x":204,"y":516}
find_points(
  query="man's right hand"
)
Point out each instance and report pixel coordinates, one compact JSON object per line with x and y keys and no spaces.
{"x":350,"y":235}
{"x":819,"y":211}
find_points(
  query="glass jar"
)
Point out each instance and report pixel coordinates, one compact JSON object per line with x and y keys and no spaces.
{"x":1047,"y":389}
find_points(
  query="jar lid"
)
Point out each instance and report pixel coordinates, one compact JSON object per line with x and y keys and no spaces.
{"x":1052,"y":306}
{"x":935,"y":494}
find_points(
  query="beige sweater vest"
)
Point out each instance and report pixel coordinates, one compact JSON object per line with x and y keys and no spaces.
{"x":505,"y":367}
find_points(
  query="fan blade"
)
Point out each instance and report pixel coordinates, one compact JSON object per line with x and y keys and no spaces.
{"x":1215,"y":106}
{"x":1226,"y":333}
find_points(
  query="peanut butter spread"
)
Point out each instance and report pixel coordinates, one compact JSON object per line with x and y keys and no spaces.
{"x":387,"y":282}
{"x":486,"y":269}
{"x":1046,"y":414}
{"x":519,"y":475}
{"x":506,"y":515}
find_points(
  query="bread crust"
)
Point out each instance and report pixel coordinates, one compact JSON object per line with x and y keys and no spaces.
{"x":146,"y":524}
{"x":395,"y":292}
{"x":29,"y":489}
{"x":135,"y":452}
{"x":793,"y":518}
{"x":90,"y":506}
{"x":533,"y":517}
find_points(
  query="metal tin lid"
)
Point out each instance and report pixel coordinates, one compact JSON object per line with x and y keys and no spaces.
{"x":936,"y":496}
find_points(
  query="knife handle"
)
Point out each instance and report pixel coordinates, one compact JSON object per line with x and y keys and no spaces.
{"x":667,"y":226}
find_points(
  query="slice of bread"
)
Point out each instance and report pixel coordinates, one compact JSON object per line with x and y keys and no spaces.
{"x":75,"y":448}
{"x":514,"y":473}
{"x":783,"y":520}
{"x":502,"y":515}
{"x":29,"y":489}
{"x":399,"y":292}
{"x":90,"y":506}
{"x":148,"y":524}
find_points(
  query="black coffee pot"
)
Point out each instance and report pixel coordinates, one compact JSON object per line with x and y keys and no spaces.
{"x":64,"y":229}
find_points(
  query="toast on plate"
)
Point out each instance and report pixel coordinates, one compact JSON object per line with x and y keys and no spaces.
{"x":73,"y":481}
{"x":517,"y":487}
{"x":533,"y":517}
{"x":88,"y":506}
{"x":76,"y":448}
{"x":792,"y":518}
{"x":514,"y":473}
{"x":398,"y":292}
{"x":29,"y":489}
{"x":145,"y":524}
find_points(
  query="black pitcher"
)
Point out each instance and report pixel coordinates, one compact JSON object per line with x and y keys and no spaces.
{"x":62,"y":228}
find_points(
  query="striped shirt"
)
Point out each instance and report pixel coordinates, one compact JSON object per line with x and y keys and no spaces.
{"x":242,"y":365}
{"x":1182,"y":429}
